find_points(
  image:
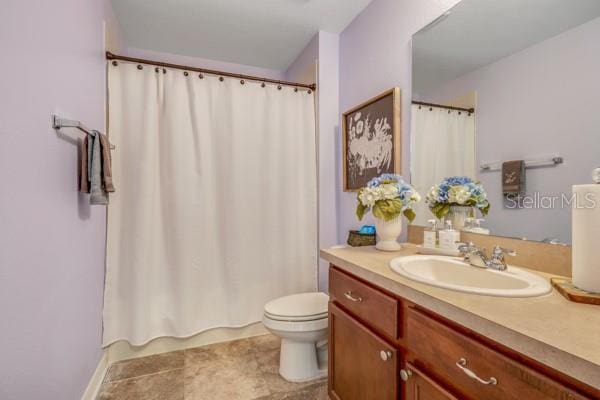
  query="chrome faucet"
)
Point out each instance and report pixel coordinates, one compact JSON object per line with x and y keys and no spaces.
{"x":479,"y":258}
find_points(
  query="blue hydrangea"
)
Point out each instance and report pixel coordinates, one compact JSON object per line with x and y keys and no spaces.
{"x":404,"y":191}
{"x":458,"y":180}
{"x":447,"y":183}
{"x":440,"y":194}
{"x":383,"y":178}
{"x":374,"y":183}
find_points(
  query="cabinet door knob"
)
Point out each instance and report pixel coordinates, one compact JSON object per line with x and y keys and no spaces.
{"x":385,"y":355}
{"x":405,"y":374}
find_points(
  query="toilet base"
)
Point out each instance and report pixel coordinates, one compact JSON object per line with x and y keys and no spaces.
{"x":298,"y":361}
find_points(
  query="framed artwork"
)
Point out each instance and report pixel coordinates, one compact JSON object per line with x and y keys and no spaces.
{"x":371,"y":140}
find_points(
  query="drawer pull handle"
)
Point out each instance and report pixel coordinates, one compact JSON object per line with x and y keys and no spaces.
{"x":352,"y":297}
{"x":462,"y":364}
{"x":385,"y":355}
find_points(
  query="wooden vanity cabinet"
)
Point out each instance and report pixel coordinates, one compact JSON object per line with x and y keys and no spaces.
{"x":424,"y":356}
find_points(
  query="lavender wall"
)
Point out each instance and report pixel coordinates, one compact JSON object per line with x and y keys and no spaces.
{"x":52,"y":242}
{"x":304,"y":67}
{"x":375,"y":55}
{"x":328,"y":120}
{"x":319,"y":63}
{"x":537,"y":102}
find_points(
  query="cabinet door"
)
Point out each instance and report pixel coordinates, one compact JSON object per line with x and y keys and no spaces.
{"x":419,"y":386}
{"x":362,"y":366}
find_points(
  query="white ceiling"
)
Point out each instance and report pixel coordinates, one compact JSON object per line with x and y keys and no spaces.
{"x":479,"y":32}
{"x":262,"y":33}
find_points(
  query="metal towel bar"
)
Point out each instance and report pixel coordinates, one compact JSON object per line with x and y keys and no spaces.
{"x":546,"y":162}
{"x":59,"y":123}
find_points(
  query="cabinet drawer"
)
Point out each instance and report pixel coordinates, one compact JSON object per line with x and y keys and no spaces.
{"x":372,"y":306}
{"x":474,"y":369}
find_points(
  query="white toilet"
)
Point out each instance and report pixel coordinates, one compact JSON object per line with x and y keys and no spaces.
{"x":300,"y":320}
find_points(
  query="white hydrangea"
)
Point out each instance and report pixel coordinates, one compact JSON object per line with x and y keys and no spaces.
{"x":434,"y":193}
{"x":459,"y":194}
{"x":368,"y":196}
{"x":415,"y":197}
{"x":387,"y":191}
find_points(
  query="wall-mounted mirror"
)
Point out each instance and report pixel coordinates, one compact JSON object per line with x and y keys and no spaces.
{"x":512,"y":80}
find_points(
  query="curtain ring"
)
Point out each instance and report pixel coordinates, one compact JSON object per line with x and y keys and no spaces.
{"x":242,"y":81}
{"x":115,"y":63}
{"x":156,"y":69}
{"x":221,"y":79}
{"x":278,"y":87}
{"x":430,"y":108}
{"x":200,"y":76}
{"x":459,"y":113}
{"x":420,"y":107}
{"x":140,"y":67}
{"x":309,"y":91}
{"x":185,"y":73}
{"x":263,"y":84}
{"x":164,"y":70}
{"x":295,"y":90}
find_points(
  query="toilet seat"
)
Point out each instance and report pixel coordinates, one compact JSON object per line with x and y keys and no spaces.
{"x":295,"y":326}
{"x":298,"y":307}
{"x":296,"y":319}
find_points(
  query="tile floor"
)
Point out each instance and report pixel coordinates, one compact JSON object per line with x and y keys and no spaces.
{"x":245,"y":369}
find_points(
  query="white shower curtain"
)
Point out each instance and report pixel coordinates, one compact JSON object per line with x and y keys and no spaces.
{"x":442,"y":145}
{"x":215,"y":210}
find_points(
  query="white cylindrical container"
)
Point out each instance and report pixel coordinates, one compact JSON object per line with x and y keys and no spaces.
{"x":387,"y":233}
{"x":586,"y":231}
{"x":458,"y":215}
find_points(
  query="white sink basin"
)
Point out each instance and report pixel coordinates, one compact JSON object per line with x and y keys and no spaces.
{"x":454,"y":274}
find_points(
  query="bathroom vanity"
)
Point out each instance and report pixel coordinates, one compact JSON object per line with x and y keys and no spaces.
{"x":394,"y":338}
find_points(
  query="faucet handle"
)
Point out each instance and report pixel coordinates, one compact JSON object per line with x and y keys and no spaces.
{"x":465,"y":248}
{"x":500,"y":251}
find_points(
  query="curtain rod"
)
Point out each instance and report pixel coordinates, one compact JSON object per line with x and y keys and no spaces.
{"x":111,"y":56}
{"x":420,"y":103}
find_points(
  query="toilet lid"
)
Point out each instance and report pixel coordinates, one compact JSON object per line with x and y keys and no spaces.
{"x":299,"y":306}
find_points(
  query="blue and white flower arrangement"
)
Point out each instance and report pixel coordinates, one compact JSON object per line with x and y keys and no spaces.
{"x":387,"y":196}
{"x":456,"y":191}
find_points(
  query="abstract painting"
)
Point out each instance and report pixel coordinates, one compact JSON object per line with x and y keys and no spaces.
{"x":371,"y":139}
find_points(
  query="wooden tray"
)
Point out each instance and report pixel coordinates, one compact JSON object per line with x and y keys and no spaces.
{"x":566,"y":288}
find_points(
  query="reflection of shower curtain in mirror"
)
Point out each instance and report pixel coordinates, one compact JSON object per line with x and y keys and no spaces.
{"x":442,"y":145}
{"x":216,"y":212}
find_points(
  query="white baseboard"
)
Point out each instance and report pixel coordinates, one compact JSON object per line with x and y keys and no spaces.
{"x":122,"y":350}
{"x":91,"y":392}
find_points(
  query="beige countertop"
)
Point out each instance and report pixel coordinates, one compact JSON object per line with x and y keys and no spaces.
{"x":550,"y":329}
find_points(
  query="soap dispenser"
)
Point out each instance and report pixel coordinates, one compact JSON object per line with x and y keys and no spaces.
{"x":473,"y":225}
{"x":477,"y":228}
{"x":449,"y":237}
{"x":430,"y":239}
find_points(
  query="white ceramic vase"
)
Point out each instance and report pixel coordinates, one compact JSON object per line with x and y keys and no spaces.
{"x":387,"y":234}
{"x":458,"y":216}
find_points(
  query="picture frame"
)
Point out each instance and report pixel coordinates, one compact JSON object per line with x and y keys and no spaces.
{"x":371,"y":139}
